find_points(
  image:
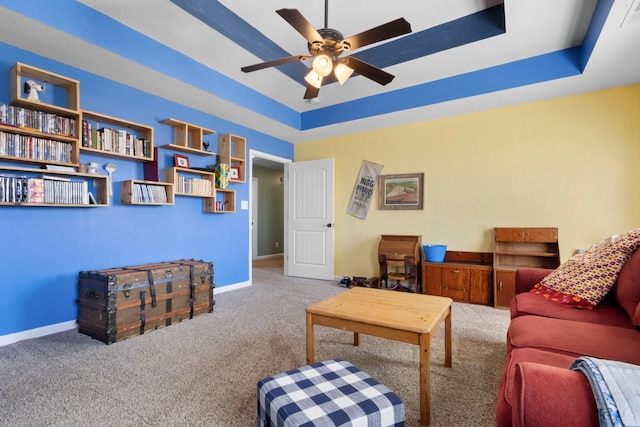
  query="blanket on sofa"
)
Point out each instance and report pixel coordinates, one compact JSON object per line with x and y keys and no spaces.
{"x":616,"y":388}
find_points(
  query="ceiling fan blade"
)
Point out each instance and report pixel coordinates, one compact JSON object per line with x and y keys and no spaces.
{"x":297,"y":21}
{"x":368,"y":70}
{"x":311,"y":92}
{"x":273,"y":63}
{"x":382,"y":32}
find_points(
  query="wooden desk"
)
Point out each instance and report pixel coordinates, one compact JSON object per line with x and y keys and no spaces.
{"x":400,"y":316}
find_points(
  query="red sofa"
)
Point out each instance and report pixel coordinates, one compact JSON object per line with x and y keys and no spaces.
{"x":544,"y":337}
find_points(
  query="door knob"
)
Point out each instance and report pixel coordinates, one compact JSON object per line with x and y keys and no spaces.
{"x":329,"y":225}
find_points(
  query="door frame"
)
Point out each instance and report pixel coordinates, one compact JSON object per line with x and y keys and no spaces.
{"x":273,"y":158}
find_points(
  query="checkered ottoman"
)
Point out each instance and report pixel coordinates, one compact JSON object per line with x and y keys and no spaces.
{"x":329,"y":393}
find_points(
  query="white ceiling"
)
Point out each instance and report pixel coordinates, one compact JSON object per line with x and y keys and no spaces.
{"x":533,"y":28}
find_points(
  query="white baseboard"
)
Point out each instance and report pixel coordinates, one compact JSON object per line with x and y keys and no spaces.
{"x":233,"y":287}
{"x":278,"y":255}
{"x":71,"y":324}
{"x":37,"y":332}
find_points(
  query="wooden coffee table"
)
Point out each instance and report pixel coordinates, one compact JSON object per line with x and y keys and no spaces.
{"x":400,"y":316}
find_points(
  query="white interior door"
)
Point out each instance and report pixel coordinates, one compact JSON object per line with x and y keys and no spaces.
{"x":309,"y":203}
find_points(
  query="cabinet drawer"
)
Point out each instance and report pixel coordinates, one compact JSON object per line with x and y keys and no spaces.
{"x":455,"y":283}
{"x":510,"y":234}
{"x":540,"y":234}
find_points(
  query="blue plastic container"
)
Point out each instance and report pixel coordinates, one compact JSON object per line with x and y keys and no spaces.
{"x":434,"y":253}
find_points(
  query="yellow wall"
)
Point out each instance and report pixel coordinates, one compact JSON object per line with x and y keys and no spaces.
{"x":571,"y":163}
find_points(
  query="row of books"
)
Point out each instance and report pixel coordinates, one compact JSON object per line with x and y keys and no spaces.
{"x":37,"y":120}
{"x":45,"y":189}
{"x":114,"y":140}
{"x":29,"y":147}
{"x":194,"y":186}
{"x":148,"y":193}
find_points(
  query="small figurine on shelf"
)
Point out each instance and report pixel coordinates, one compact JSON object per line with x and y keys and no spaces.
{"x":32,"y":88}
{"x":205,"y":144}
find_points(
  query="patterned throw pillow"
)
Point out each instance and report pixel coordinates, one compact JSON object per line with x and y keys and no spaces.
{"x":584,"y":280}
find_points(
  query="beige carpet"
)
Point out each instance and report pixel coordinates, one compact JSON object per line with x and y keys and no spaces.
{"x":203,"y":372}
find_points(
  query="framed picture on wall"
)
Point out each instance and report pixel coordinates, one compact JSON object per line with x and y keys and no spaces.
{"x":181,"y":161}
{"x":235,"y":172}
{"x":401,"y":191}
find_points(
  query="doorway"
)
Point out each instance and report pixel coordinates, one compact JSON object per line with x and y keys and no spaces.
{"x":266,"y":178}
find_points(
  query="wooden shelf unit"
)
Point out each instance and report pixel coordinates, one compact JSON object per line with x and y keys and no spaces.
{"x":70,"y":112}
{"x":232,"y":150}
{"x":188,"y":138}
{"x":518,"y":247}
{"x":226,"y":197}
{"x":139,"y":192}
{"x":173,"y":175}
{"x":19,"y":73}
{"x":462,"y":276}
{"x":140,"y":148}
{"x":100,"y":186}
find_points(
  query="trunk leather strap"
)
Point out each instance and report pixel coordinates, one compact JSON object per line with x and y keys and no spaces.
{"x":143,"y":319}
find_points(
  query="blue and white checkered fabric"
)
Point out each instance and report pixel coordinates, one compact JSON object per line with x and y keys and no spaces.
{"x":329,"y":393}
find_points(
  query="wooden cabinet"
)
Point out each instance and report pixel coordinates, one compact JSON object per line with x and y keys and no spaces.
{"x":232,"y":150}
{"x":36,"y":131}
{"x":115,"y":137}
{"x":505,"y":287}
{"x":188,"y":138}
{"x":136,"y":192}
{"x":517,"y":247}
{"x":463,"y":277}
{"x":37,"y":187}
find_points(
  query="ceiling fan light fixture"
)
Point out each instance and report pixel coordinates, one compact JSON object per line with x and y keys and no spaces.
{"x":342,"y":72}
{"x":314,"y":79}
{"x":322,"y":65}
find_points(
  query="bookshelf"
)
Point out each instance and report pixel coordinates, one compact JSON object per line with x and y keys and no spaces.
{"x":223,"y":202}
{"x":187,"y":137}
{"x":139,"y":192}
{"x":35,"y":131}
{"x":52,"y":188}
{"x":190,"y":182}
{"x":518,"y":247}
{"x":232,"y":150}
{"x":111,"y":136}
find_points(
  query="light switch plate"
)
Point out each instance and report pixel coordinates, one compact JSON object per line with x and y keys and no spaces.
{"x":244,"y":205}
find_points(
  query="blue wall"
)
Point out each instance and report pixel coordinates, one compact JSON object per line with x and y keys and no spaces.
{"x":42,"y":250}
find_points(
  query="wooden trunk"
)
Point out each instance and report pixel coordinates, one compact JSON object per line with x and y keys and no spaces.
{"x":119,"y":303}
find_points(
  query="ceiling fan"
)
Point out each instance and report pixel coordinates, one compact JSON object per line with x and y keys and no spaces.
{"x":325,"y":47}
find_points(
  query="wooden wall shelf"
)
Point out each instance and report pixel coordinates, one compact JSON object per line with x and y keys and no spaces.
{"x":137,"y":192}
{"x":191,"y":182}
{"x":232,"y":150}
{"x":226,"y":199}
{"x":68,"y":189}
{"x":188,"y":138}
{"x":137,"y":144}
{"x":19,"y":73}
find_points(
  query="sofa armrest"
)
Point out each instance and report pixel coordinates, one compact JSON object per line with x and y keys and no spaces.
{"x":548,"y":396}
{"x":527,"y":277}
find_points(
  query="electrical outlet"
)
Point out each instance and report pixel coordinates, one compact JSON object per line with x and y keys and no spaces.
{"x":277,"y":244}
